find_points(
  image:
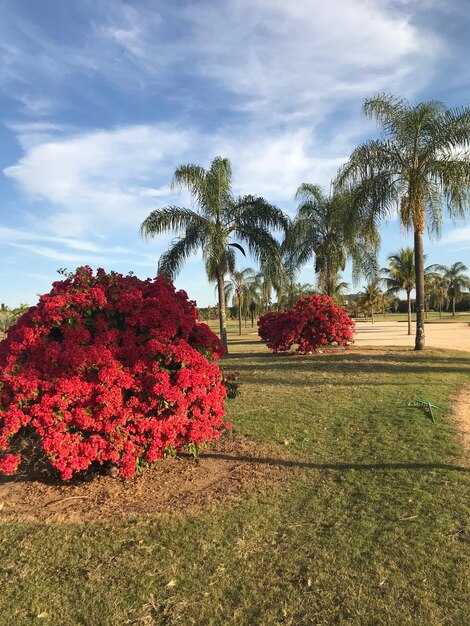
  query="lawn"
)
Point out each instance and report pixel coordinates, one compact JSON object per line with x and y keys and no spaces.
{"x":370,"y":527}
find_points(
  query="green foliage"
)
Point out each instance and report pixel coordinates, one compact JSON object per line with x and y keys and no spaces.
{"x":9,"y":316}
{"x":452,"y":279}
{"x":243,"y":288}
{"x":323,"y":228}
{"x":218,"y":219}
{"x":421,"y":166}
{"x":401,"y":276}
{"x":370,"y":297}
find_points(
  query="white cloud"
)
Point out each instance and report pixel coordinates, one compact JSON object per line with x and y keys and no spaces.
{"x":274,"y":165}
{"x":102,"y":180}
{"x":57,"y":255}
{"x":29,"y":242}
{"x":100,"y":177}
{"x":461,"y":234}
{"x":284,"y":57}
{"x":287,"y":58}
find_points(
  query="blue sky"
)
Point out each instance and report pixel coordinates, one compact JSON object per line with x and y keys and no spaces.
{"x":100,"y":100}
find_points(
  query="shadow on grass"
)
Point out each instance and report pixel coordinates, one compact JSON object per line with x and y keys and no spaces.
{"x":337,"y":466}
{"x":348,"y":363}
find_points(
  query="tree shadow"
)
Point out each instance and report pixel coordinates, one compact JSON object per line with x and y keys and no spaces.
{"x":337,"y":466}
{"x":341,"y":362}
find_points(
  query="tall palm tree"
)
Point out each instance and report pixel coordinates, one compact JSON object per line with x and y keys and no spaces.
{"x":422,"y":164}
{"x":218,"y":219}
{"x":322,"y":228}
{"x":400,"y":275}
{"x":240,"y":288}
{"x":455,"y":279}
{"x":370,"y":297}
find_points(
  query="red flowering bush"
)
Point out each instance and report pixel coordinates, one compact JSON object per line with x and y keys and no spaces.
{"x":312,"y":322}
{"x":109,"y":369}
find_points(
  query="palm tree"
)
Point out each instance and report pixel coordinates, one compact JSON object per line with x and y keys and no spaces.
{"x":7,"y":318}
{"x":421,"y":165}
{"x":337,"y":288}
{"x":271,"y":277}
{"x":265,"y":286}
{"x":455,"y":280}
{"x":291,"y":290}
{"x":437,"y":286}
{"x":385,"y":302}
{"x":240,"y":287}
{"x":219,"y":218}
{"x":370,"y":296}
{"x":400,"y":275}
{"x":322,"y":228}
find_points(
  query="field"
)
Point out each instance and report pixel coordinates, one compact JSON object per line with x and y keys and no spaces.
{"x":369,"y":524}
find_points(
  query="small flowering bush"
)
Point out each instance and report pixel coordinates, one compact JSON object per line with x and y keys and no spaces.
{"x":232,"y":383}
{"x":109,"y":369}
{"x":312,"y":322}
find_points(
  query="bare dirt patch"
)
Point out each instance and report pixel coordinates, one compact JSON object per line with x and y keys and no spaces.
{"x":461,"y":415}
{"x":224,"y":474}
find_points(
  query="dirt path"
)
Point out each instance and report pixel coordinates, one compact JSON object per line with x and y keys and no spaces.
{"x":461,"y":415}
{"x":455,"y":336}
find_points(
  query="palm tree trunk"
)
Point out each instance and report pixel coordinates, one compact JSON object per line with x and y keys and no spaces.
{"x":222,"y":315}
{"x":453,"y":306}
{"x":239,"y":316}
{"x":329,"y":283}
{"x":372,"y":314}
{"x":419,"y":303}
{"x":408,"y":299}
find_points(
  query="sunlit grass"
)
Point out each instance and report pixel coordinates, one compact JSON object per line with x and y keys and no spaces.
{"x":372,"y":527}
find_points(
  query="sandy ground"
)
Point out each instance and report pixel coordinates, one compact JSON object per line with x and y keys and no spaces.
{"x":454,"y":336}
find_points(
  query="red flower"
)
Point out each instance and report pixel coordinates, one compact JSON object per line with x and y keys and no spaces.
{"x":110,"y":368}
{"x":9,"y":464}
{"x":312,"y":322}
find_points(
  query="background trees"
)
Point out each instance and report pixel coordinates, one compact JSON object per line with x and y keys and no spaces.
{"x":219,"y":218}
{"x":370,"y":297}
{"x":242,"y":287}
{"x":422,"y":164}
{"x":453,"y":279}
{"x":9,"y":316}
{"x":400,"y":275}
{"x":323,"y":228}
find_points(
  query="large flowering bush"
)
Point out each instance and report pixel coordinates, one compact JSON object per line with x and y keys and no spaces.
{"x":109,"y":369}
{"x":312,"y":322}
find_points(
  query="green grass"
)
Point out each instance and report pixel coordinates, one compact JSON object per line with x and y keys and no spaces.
{"x":432,"y":317}
{"x":372,"y":527}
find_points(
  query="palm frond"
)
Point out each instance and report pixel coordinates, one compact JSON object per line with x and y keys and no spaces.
{"x":259,"y":213}
{"x":238,"y":247}
{"x":193,"y":178}
{"x":171,"y":218}
{"x":171,"y":262}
